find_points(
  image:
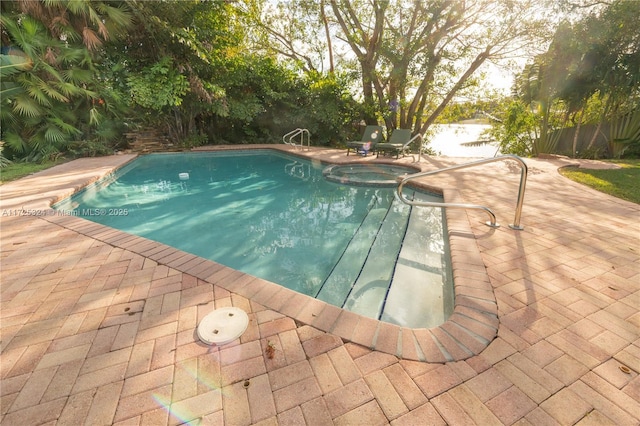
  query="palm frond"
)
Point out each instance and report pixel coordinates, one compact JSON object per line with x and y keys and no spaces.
{"x":43,"y":69}
{"x":14,"y":141}
{"x":64,"y":125}
{"x":91,"y":39}
{"x":50,"y":56}
{"x":94,"y":117}
{"x":118,"y":15}
{"x":72,"y":56}
{"x":54,"y":135}
{"x":8,"y":117}
{"x":34,"y":86}
{"x":49,"y":90}
{"x":25,"y":33}
{"x":8,"y":90}
{"x":13,"y":64}
{"x":26,"y":106}
{"x":71,"y":90}
{"x":35,"y":92}
{"x":4,"y":161}
{"x":55,"y":3}
{"x":76,"y":7}
{"x":77,"y":75}
{"x":97,"y":20}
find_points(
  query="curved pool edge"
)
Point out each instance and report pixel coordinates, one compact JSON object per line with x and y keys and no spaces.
{"x":328,"y":174}
{"x":468,"y":331}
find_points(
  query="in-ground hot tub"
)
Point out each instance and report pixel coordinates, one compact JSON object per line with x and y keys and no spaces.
{"x":367,"y":174}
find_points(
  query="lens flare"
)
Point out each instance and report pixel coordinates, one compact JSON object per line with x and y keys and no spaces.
{"x":208,"y":380}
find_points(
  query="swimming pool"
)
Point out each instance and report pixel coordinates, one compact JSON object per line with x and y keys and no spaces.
{"x":276,"y":217}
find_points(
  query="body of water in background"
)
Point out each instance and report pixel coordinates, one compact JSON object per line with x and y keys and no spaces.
{"x":456,"y":140}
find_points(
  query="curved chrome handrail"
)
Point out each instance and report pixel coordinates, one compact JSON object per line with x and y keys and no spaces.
{"x":292,"y":134}
{"x":417,"y":136}
{"x":492,"y":216}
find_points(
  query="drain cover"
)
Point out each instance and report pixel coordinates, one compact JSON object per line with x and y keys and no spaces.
{"x":222,"y":326}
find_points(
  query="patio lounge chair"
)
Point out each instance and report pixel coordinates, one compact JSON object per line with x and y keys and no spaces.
{"x":372,"y":134}
{"x":398,"y":143}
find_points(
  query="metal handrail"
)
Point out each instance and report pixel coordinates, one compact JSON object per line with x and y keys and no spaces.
{"x":492,"y":216}
{"x":292,"y":134}
{"x":418,"y":136}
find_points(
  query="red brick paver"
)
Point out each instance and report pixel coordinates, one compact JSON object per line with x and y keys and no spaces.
{"x":98,"y":326}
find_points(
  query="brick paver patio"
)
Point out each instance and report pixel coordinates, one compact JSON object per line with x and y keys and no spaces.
{"x":98,"y":326}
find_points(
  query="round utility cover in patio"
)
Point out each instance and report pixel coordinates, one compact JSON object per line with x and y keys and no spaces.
{"x":222,"y":326}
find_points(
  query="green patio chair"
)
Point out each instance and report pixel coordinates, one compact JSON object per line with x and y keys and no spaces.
{"x":398,"y":143}
{"x":372,"y":134}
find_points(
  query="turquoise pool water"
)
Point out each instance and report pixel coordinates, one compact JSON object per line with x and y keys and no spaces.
{"x":276,"y":217}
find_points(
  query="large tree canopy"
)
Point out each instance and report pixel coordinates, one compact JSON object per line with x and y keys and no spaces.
{"x":414,"y":57}
{"x":252,"y":70}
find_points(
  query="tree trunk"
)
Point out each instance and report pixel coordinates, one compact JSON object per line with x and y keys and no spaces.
{"x":370,"y":41}
{"x":606,"y":110}
{"x":575,"y":135}
{"x":326,"y":30}
{"x":477,"y":62}
{"x":595,"y":134}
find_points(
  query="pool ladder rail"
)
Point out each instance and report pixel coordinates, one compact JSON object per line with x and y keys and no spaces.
{"x":298,"y":170}
{"x":492,"y":222}
{"x":290,"y":138}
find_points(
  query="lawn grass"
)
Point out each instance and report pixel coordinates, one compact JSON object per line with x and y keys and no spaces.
{"x":622,"y":183}
{"x":15,"y":171}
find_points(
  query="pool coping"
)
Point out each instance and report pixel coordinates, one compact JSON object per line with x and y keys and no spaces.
{"x":467,"y":332}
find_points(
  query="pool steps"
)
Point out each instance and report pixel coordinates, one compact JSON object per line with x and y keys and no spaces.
{"x":347,"y":269}
{"x":404,"y":287}
{"x":420,"y":294}
{"x":369,"y":291}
